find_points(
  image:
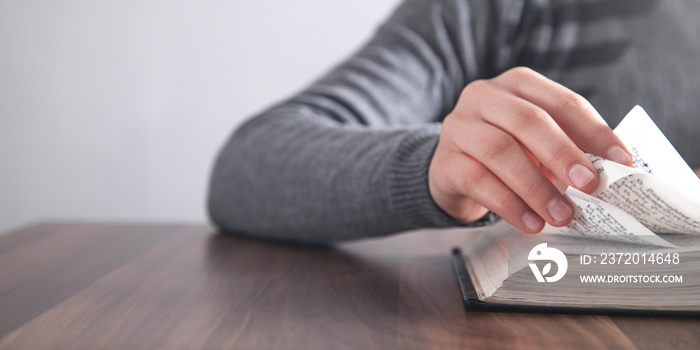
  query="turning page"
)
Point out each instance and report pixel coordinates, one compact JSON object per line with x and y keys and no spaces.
{"x":659,"y":194}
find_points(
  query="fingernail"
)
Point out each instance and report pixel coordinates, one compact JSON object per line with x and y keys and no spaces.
{"x":532,"y":221}
{"x":618,"y":155}
{"x":580,"y":175}
{"x":559,"y":210}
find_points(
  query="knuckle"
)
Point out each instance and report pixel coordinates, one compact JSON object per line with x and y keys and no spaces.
{"x":601,"y":131}
{"x":472,"y":180}
{"x":562,"y":154}
{"x":448,"y":124}
{"x":533,"y":188}
{"x":522,"y":72}
{"x":498,"y":146}
{"x":572,"y":100}
{"x":529,"y":117}
{"x":505,"y":202}
{"x":475,"y":88}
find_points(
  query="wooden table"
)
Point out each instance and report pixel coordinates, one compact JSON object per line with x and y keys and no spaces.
{"x":124,"y":286}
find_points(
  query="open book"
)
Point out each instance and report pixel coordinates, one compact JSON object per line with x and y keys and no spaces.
{"x":634,"y":243}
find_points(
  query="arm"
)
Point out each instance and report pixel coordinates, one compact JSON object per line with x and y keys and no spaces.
{"x":348,"y":157}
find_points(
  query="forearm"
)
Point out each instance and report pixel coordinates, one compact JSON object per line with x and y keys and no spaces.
{"x":349,"y":156}
{"x":292,"y":175}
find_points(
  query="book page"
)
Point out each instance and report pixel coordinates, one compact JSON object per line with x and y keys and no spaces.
{"x":654,"y":154}
{"x":657,"y":206}
{"x":653,"y":202}
{"x":659,"y":194}
{"x":595,"y":218}
{"x":609,"y":172}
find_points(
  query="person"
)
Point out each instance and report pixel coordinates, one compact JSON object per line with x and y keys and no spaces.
{"x":458,"y":112}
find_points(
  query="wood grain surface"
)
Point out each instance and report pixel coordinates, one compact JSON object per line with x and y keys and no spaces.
{"x":137,"y":286}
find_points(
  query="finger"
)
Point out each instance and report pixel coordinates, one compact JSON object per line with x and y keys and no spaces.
{"x":501,"y":154}
{"x":541,"y":135}
{"x":474,"y":181}
{"x":573,"y":113}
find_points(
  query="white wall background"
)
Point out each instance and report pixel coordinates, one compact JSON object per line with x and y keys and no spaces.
{"x":114,"y":110}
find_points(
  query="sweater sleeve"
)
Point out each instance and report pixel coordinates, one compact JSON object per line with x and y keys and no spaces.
{"x":348,"y":157}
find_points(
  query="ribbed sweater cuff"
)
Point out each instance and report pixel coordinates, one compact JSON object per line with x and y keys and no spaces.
{"x":410,"y":195}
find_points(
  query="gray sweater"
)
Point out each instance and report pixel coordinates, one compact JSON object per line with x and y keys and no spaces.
{"x":347,"y":158}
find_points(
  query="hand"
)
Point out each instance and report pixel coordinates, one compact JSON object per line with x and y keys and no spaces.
{"x":505,"y":143}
